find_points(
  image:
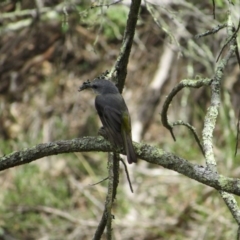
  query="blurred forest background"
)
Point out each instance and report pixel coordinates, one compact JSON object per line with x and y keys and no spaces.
{"x":47,"y":49}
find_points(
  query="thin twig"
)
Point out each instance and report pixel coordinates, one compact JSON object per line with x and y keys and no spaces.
{"x":211,"y":31}
{"x":213,"y":2}
{"x":193,"y":131}
{"x":237,"y":53}
{"x":127,"y":174}
{"x":99,"y":182}
{"x":236,"y":43}
{"x":233,"y":36}
{"x":116,"y":159}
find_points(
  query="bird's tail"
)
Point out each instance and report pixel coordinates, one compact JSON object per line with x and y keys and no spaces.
{"x":131,"y":155}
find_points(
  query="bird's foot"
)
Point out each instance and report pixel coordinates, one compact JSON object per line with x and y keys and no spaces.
{"x":102,"y":132}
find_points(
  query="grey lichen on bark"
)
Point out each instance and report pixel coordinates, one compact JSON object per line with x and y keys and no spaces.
{"x":151,"y":154}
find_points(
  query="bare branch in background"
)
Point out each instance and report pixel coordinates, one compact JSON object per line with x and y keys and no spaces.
{"x":211,"y":31}
{"x":189,"y":83}
{"x":193,"y":131}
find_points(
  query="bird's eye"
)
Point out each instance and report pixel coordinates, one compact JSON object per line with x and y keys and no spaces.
{"x":94,"y":86}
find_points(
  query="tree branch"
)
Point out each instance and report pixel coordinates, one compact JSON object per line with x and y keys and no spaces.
{"x":122,"y":61}
{"x":211,"y":117}
{"x":184,"y":83}
{"x":146,"y":152}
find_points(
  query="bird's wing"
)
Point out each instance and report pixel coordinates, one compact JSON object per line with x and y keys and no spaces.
{"x":109,"y":111}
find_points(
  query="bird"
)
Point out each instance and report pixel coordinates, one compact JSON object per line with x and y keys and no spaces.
{"x":114,"y":115}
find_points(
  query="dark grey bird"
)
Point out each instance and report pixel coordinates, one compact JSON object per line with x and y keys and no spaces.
{"x":114,"y":115}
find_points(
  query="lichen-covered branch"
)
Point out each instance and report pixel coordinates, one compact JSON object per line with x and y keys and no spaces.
{"x":183,"y":84}
{"x":146,"y":152}
{"x":212,"y":111}
{"x":232,"y":204}
{"x":211,"y":118}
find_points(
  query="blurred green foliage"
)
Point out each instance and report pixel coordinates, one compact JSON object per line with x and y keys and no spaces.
{"x":115,"y":22}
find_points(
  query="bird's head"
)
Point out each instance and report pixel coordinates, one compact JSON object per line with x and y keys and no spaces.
{"x":100,"y":86}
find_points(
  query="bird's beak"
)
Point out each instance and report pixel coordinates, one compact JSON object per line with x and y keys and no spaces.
{"x":85,"y":85}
